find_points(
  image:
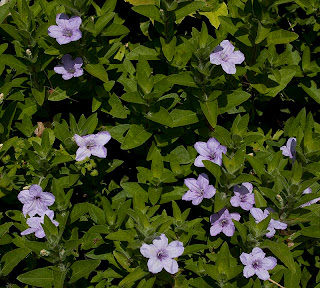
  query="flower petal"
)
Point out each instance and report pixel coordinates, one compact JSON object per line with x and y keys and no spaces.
{"x":209,"y":192}
{"x":74,"y":22}
{"x":202,"y":149}
{"x":213,"y":144}
{"x":35,"y":190}
{"x":228,"y":48}
{"x":62,"y":20}
{"x":203,"y":181}
{"x":149,"y":251}
{"x":258,"y":253}
{"x":269,"y":263}
{"x":28,"y":231}
{"x":215,"y":229}
{"x":79,"y":140}
{"x":257,"y":214}
{"x":99,"y":151}
{"x":24,"y":196}
{"x":192,"y":184}
{"x":198,"y":162}
{"x":47,"y":198}
{"x":175,"y":249}
{"x":262,"y":274}
{"x":170,"y":265}
{"x":60,"y":69}
{"x":235,"y":201}
{"x":76,"y":35}
{"x":67,"y":76}
{"x":161,"y":242}
{"x":54,"y":31}
{"x":245,"y":258}
{"x":102,"y":138}
{"x":63,"y":40}
{"x":248,"y":271}
{"x":197,"y":200}
{"x":188,"y":196}
{"x":154,"y":265}
{"x":215,"y":58}
{"x":82,"y":153}
{"x":229,"y":68}
{"x":229,"y":229}
{"x":78,"y":73}
{"x":236,"y":57}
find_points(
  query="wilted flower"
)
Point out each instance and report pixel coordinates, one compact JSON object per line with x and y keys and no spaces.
{"x":222,"y":222}
{"x":161,"y":254}
{"x":198,"y":189}
{"x":225,"y":56}
{"x":35,"y":200}
{"x":35,"y":224}
{"x":259,"y":215}
{"x":92,"y":144}
{"x":67,"y":29}
{"x":313,"y":201}
{"x":257,"y":263}
{"x":243,"y":196}
{"x":211,"y":150}
{"x":69,"y":68}
{"x":290,"y":148}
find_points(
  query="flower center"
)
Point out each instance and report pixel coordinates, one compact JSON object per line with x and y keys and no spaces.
{"x":161,"y":255}
{"x":212,"y":156}
{"x":224,"y":222}
{"x":37,"y":197}
{"x":243,"y":198}
{"x":71,"y":70}
{"x":200,"y":192}
{"x":256,"y":264}
{"x":90,"y":144}
{"x":67,"y":32}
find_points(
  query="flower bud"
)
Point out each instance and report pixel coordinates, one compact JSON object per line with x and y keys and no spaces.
{"x":1,"y":98}
{"x":44,"y":252}
{"x":28,"y":52}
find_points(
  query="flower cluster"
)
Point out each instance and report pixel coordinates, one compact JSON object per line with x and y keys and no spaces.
{"x":66,"y":31}
{"x":35,"y":201}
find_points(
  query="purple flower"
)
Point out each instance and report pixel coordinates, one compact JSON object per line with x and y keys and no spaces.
{"x":67,"y":29}
{"x":313,"y":201}
{"x":225,"y":56}
{"x":35,"y":224}
{"x":243,"y":196}
{"x":198,"y":189}
{"x":211,"y":150}
{"x":222,"y":222}
{"x":290,"y":148}
{"x":69,"y":68}
{"x":257,"y":263}
{"x":160,"y":254}
{"x":92,"y":144}
{"x":35,"y":200}
{"x":259,"y":215}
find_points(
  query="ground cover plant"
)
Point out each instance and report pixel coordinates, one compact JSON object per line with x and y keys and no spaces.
{"x":159,"y":143}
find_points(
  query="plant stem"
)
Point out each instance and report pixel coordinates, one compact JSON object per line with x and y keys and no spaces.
{"x":274,"y":282}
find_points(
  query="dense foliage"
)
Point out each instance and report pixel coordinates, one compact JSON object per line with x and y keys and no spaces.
{"x":173,"y":134}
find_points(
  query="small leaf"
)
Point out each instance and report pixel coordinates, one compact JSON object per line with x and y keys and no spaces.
{"x":281,"y":37}
{"x":82,"y":268}
{"x":41,"y":277}
{"x":135,"y":137}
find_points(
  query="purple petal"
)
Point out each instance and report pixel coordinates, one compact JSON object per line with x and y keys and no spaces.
{"x":77,"y":64}
{"x":202,"y":149}
{"x":258,"y":253}
{"x":213,"y":144}
{"x":35,"y":190}
{"x":229,"y":68}
{"x":277,"y":224}
{"x":271,"y":232}
{"x":67,"y":60}
{"x":248,"y":271}
{"x":170,"y":265}
{"x":99,"y":151}
{"x":307,"y":191}
{"x":245,"y":258}
{"x":76,"y":35}
{"x":74,"y":22}
{"x":24,"y":196}
{"x":235,"y":216}
{"x":67,"y":76}
{"x":257,"y":214}
{"x":228,"y":230}
{"x":215,"y":58}
{"x":235,"y":201}
{"x":63,"y":40}
{"x":203,"y":181}
{"x":198,"y":162}
{"x":60,"y":69}
{"x":148,"y":251}
{"x":47,"y":198}
{"x":246,"y":205}
{"x":28,"y":231}
{"x":217,"y":160}
{"x":161,"y":242}
{"x":228,"y":48}
{"x":262,"y":274}
{"x":209,"y":192}
{"x":236,"y":57}
{"x":269,"y":263}
{"x":188,"y":196}
{"x":82,"y":153}
{"x":154,"y":265}
{"x":197,"y":201}
{"x":286,"y":151}
{"x":40,"y":233}
{"x":247,"y":187}
{"x":79,"y":140}
{"x":175,"y":249}
{"x":78,"y":73}
{"x":102,"y":138}
{"x":62,"y":20}
{"x":192,"y":184}
{"x":54,"y":31}
{"x":215,"y":229}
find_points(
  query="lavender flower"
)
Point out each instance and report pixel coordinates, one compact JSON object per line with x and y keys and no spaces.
{"x":225,"y":56}
{"x":290,"y":148}
{"x":243,"y":196}
{"x":211,"y":150}
{"x":222,"y":222}
{"x":259,"y":215}
{"x":198,"y":189}
{"x":35,"y":200}
{"x":92,"y":145}
{"x":35,"y":224}
{"x":313,"y":201}
{"x":67,"y":29}
{"x":69,"y":68}
{"x":257,"y":263}
{"x":160,"y":254}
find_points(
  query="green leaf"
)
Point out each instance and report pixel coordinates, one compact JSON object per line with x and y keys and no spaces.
{"x":98,"y":71}
{"x":102,"y":22}
{"x":262,"y":33}
{"x":149,"y":11}
{"x":117,"y":109}
{"x":183,"y":117}
{"x":214,"y":16}
{"x":82,"y":268}
{"x":13,"y":62}
{"x":183,"y":78}
{"x":281,"y":37}
{"x":78,"y":210}
{"x":41,"y":277}
{"x":210,"y":110}
{"x":147,"y":53}
{"x":135,"y":275}
{"x":311,"y":231}
{"x":144,"y":77}
{"x":231,"y":100}
{"x":214,"y":169}
{"x":135,"y":137}
{"x":312,"y":91}
{"x":256,"y":164}
{"x":121,"y":235}
{"x":281,"y":251}
{"x":168,"y":49}
{"x":58,"y":94}
{"x":188,"y":9}
{"x":115,"y":30}
{"x":39,"y":95}
{"x":162,"y":117}
{"x":4,"y":11}
{"x":12,"y":258}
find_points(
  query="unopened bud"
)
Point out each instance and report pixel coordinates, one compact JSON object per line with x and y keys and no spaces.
{"x":1,"y":98}
{"x":26,"y":187}
{"x":1,"y":145}
{"x":28,"y":52}
{"x":44,"y":252}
